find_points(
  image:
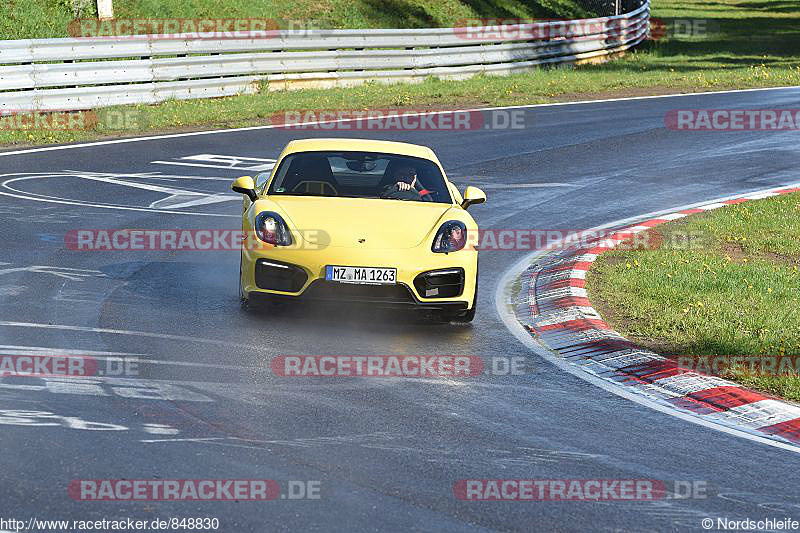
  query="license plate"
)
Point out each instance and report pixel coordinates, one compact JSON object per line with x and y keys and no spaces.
{"x":361,"y":275}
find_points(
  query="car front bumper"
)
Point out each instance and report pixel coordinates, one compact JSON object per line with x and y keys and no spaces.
{"x":290,"y":273}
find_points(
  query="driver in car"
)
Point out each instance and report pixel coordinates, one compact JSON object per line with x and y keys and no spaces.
{"x":406,"y":187}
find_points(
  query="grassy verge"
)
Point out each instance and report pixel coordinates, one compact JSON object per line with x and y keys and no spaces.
{"x":736,"y":44}
{"x":38,"y":19}
{"x":735,"y":293}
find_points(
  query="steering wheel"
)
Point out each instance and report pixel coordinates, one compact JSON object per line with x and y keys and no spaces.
{"x":427,"y":197}
{"x":394,"y":192}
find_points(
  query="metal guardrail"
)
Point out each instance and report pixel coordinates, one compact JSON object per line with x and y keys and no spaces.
{"x":86,"y":73}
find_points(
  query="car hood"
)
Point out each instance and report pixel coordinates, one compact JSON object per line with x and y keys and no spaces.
{"x":364,"y":223}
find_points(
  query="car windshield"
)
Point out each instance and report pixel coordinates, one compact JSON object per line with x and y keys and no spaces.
{"x":360,"y":175}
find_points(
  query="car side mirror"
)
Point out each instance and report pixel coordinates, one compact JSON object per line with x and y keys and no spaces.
{"x":473,"y":195}
{"x":245,"y":185}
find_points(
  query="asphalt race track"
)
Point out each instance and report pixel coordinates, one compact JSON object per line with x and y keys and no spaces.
{"x":387,"y":452}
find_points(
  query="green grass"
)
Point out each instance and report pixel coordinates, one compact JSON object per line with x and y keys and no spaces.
{"x":29,"y":19}
{"x":735,"y":292}
{"x":731,"y":56}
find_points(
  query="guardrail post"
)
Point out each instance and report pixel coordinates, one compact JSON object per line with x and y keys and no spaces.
{"x":105,"y":9}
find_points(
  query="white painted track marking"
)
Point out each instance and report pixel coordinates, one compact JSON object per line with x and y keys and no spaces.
{"x":12,"y":349}
{"x":72,"y":274}
{"x":519,"y":185}
{"x":271,"y":126}
{"x":56,"y":200}
{"x":8,"y":323}
{"x":228,"y":162}
{"x":9,"y":349}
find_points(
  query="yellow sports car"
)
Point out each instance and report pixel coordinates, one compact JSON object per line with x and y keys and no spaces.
{"x":360,"y":221}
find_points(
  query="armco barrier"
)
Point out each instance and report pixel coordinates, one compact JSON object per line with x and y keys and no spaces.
{"x":85,"y":73}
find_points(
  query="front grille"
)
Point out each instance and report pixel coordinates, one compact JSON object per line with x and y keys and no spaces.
{"x":447,"y":283}
{"x":277,"y":276}
{"x":331,"y":290}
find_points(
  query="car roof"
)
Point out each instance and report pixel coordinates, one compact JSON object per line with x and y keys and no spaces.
{"x":359,"y":145}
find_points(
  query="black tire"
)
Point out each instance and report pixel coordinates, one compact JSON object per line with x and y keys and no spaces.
{"x":469,"y":316}
{"x":440,"y":317}
{"x":244,"y":298}
{"x":461,"y":316}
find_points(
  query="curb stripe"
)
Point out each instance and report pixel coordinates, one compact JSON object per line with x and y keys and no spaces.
{"x":566,"y":322}
{"x":789,"y":430}
{"x":727,"y":397}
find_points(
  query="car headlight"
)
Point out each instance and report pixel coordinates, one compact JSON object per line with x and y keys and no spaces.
{"x":271,"y":229}
{"x":451,"y":237}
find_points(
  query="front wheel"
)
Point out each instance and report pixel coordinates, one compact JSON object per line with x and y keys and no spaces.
{"x":467,"y":316}
{"x":445,"y":317}
{"x":244,"y":299}
{"x":464,"y":316}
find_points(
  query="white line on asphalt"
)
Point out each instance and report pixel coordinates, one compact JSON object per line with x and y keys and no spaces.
{"x":12,"y":349}
{"x":175,"y":198}
{"x":198,"y":439}
{"x":521,"y":185}
{"x":193,"y":364}
{"x":9,"y":349}
{"x":116,"y":180}
{"x":259,"y":168}
{"x":72,"y":274}
{"x":178,"y":201}
{"x":7,"y":323}
{"x":167,"y":177}
{"x":230,"y":162}
{"x":507,"y":315}
{"x":54,"y":200}
{"x":272,"y":126}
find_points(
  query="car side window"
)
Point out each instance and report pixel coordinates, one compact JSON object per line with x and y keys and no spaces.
{"x":261,"y":179}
